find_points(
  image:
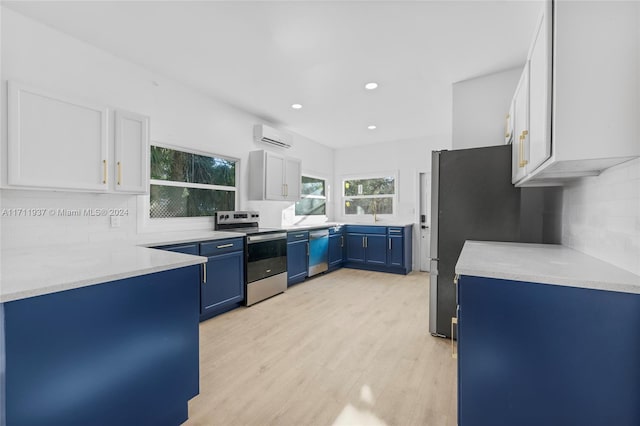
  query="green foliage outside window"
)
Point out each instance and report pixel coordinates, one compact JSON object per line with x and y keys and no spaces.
{"x":369,"y":196}
{"x":184,"y":184}
{"x":314,"y":200}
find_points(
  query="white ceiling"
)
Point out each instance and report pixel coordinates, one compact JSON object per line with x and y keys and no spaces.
{"x":263,"y":56}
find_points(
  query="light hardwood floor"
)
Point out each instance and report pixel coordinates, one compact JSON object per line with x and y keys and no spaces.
{"x":347,"y":348}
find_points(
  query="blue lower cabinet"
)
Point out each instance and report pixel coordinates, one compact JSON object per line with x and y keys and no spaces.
{"x":534,"y":354}
{"x":367,"y":249}
{"x":379,"y":248}
{"x":355,"y":248}
{"x":400,"y":250}
{"x":297,"y":257}
{"x":222,"y":287}
{"x":336,"y":249}
{"x":118,"y":353}
{"x":376,"y":250}
{"x":395,"y":255}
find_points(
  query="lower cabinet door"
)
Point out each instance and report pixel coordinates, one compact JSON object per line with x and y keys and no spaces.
{"x":223,"y":284}
{"x":336,"y":250}
{"x":376,"y":249}
{"x":297,"y":261}
{"x":396,"y":251}
{"x":355,"y":248}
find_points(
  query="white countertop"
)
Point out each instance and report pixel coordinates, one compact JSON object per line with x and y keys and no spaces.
{"x":43,"y":270}
{"x":35,"y":271}
{"x":156,"y":239}
{"x":543,"y":263}
{"x":334,"y":224}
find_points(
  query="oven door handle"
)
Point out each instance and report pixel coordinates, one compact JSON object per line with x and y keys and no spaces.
{"x":266,"y":237}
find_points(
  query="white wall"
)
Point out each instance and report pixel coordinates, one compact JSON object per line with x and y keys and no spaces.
{"x":480,"y":106}
{"x":407,"y":158}
{"x":45,"y":58}
{"x":601,"y":216}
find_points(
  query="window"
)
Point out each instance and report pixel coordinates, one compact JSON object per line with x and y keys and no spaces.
{"x":369,"y":196}
{"x":314,"y":197}
{"x":185,"y":184}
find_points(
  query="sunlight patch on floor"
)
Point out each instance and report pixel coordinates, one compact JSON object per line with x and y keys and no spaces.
{"x":351,"y":415}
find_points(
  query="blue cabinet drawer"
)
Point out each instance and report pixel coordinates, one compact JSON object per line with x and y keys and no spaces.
{"x":395,"y":230}
{"x":297,"y":236}
{"x":363,"y":229}
{"x":181,"y":248}
{"x":212,"y":248}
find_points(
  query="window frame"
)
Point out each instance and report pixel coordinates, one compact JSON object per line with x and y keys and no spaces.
{"x":378,"y":175}
{"x":149,"y":224}
{"x":325,"y":197}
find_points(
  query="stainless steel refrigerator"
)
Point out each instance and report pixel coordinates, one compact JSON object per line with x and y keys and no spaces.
{"x":472,"y":198}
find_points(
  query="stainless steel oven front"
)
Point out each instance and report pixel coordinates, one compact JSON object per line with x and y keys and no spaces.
{"x":266,"y":260}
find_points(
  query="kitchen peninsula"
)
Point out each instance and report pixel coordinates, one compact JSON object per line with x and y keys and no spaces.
{"x":98,"y":334}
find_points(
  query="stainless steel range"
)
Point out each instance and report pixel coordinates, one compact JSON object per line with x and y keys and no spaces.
{"x":265,"y":254}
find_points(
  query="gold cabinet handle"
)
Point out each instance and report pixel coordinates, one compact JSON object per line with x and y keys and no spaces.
{"x":104,"y":171}
{"x":454,"y":354}
{"x":119,"y":173}
{"x":523,"y":136}
{"x":506,"y":126}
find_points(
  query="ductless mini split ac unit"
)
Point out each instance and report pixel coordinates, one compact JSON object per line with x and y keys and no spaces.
{"x":266,"y":134}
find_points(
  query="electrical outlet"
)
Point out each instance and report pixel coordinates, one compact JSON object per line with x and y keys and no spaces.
{"x":115,"y":221}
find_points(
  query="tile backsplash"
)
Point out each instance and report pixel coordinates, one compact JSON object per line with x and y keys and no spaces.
{"x":37,"y":218}
{"x":601,"y":216}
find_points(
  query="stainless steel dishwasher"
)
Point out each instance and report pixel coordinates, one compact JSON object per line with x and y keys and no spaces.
{"x":318,"y":251}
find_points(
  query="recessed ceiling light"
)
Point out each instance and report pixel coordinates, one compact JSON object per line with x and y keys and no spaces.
{"x":372,"y":127}
{"x":296,"y":106}
{"x":371,"y":86}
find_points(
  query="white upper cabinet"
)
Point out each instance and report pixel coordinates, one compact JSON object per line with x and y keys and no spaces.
{"x":56,"y":142}
{"x":584,"y":100}
{"x":67,"y":144}
{"x":274,"y":177}
{"x":519,"y":151}
{"x":539,"y":129}
{"x":508,"y":125}
{"x":131,"y":152}
{"x":293,"y":178}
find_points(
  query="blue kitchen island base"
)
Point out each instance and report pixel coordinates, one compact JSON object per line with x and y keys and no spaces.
{"x":538,"y":354}
{"x":118,"y":353}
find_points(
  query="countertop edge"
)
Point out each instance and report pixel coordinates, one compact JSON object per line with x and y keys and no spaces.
{"x":544,"y":264}
{"x":103,"y":279}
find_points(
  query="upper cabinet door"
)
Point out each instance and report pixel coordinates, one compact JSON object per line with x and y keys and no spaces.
{"x":539,"y":136}
{"x":520,"y":127}
{"x":274,"y":177}
{"x":508,"y":126}
{"x":56,"y":142}
{"x":131,"y":168}
{"x":293,"y":175}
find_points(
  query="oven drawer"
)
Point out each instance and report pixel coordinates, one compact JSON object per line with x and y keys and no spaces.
{"x":212,"y":248}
